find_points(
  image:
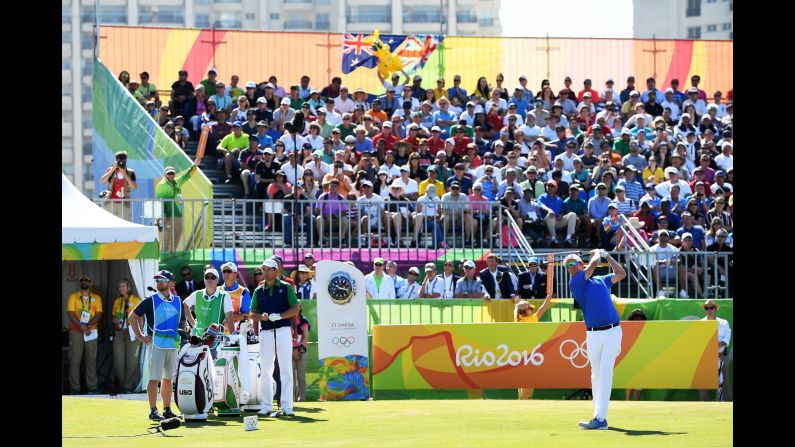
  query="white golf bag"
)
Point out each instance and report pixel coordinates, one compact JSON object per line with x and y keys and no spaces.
{"x":251,"y":392}
{"x":236,"y":372}
{"x":194,"y":382}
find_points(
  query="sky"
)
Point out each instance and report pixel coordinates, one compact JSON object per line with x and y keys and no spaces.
{"x":519,"y":19}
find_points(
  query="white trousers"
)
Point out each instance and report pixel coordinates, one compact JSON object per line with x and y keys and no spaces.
{"x":268,"y":351}
{"x":603,"y":348}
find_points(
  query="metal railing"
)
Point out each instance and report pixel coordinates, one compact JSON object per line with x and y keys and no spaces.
{"x":653,"y":274}
{"x":185,"y":232}
{"x":634,"y":242}
{"x":523,"y":251}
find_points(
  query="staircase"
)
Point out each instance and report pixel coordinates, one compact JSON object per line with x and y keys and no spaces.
{"x":231,"y":228}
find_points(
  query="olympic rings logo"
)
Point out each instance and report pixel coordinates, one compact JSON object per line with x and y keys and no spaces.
{"x":343,"y":341}
{"x":574,"y":354}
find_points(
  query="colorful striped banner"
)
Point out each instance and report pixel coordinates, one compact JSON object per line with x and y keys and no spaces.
{"x":654,"y":354}
{"x":289,"y":55}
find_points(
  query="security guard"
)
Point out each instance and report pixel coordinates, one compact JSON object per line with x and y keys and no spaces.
{"x":273,"y":305}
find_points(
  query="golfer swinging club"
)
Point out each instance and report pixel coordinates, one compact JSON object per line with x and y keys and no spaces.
{"x":273,"y":305}
{"x":602,"y":322}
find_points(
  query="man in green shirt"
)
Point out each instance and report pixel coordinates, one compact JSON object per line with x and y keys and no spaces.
{"x":229,"y":148}
{"x":170,"y":188}
{"x":209,"y":83}
{"x":273,"y":305}
{"x":211,"y":305}
{"x":622,"y":144}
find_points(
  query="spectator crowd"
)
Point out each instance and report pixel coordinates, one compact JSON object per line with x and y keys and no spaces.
{"x":564,"y":163}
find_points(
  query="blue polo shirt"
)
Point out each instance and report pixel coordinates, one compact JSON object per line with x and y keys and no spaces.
{"x":698,"y":235}
{"x":365,"y":145}
{"x":554,"y":203}
{"x":593,"y":296}
{"x":597,"y":207}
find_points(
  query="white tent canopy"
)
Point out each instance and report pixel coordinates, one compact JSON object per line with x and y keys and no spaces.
{"x":82,"y":221}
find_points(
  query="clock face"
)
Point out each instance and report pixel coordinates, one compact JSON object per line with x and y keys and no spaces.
{"x":340,"y":288}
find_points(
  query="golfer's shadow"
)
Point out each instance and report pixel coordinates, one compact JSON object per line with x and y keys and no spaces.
{"x":645,"y":432}
{"x":301,"y":419}
{"x":308,"y":409}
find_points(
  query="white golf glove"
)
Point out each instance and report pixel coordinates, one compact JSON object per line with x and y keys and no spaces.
{"x":274,"y":317}
{"x":603,"y":253}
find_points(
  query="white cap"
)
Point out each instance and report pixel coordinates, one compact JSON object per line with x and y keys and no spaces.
{"x":469,"y":264}
{"x":396,"y":184}
{"x":232,"y":266}
{"x":414,"y":270}
{"x":212,"y":270}
{"x":303,"y":268}
{"x":285,"y":101}
{"x":610,"y":79}
{"x":387,"y":124}
{"x":262,"y":100}
{"x":270,"y":263}
{"x":571,"y":257}
{"x":435,"y":128}
{"x":251,"y":84}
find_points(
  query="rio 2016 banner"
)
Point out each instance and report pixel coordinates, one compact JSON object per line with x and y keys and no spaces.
{"x":654,"y":354}
{"x":343,"y":358}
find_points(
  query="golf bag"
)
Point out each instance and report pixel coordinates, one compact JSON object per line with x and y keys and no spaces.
{"x":234,"y":385}
{"x":195,"y":379}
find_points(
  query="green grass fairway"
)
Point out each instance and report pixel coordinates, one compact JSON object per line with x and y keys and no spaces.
{"x":92,"y":422}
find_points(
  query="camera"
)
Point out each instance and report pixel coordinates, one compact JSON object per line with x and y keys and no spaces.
{"x":122,"y":164}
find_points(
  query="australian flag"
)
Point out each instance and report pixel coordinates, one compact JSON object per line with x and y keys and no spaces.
{"x":413,"y":50}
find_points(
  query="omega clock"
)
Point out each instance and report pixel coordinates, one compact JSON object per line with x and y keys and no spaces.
{"x":341,"y":288}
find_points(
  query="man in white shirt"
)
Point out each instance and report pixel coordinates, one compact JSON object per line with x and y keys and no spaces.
{"x":664,"y":188}
{"x":292,"y":170}
{"x":671,"y":103}
{"x":724,"y":337}
{"x":502,"y":105}
{"x":318,"y":167}
{"x":397,"y":280}
{"x":529,"y":128}
{"x":569,"y":156}
{"x":426,"y":217}
{"x":549,"y":132}
{"x":725,"y":160}
{"x":378,"y":284}
{"x":666,"y":264}
{"x":371,"y":210}
{"x":429,"y":283}
{"x":445,"y":281}
{"x":468,"y":114}
{"x":332,"y":117}
{"x":609,"y":86}
{"x":343,"y":103}
{"x":410,"y":187}
{"x":410,"y":288}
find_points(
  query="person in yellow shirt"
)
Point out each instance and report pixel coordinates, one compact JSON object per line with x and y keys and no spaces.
{"x":84,"y":309}
{"x":125,"y":350}
{"x":523,"y":313}
{"x":440,"y":92}
{"x":432,"y":179}
{"x":653,"y":170}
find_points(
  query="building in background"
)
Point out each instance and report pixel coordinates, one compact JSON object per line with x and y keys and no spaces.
{"x":451,"y":17}
{"x":683,"y":19}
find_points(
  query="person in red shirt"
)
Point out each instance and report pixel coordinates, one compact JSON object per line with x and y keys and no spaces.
{"x":412,"y":138}
{"x":386,"y":135}
{"x":436,"y":144}
{"x":587,"y":85}
{"x":461,"y":141}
